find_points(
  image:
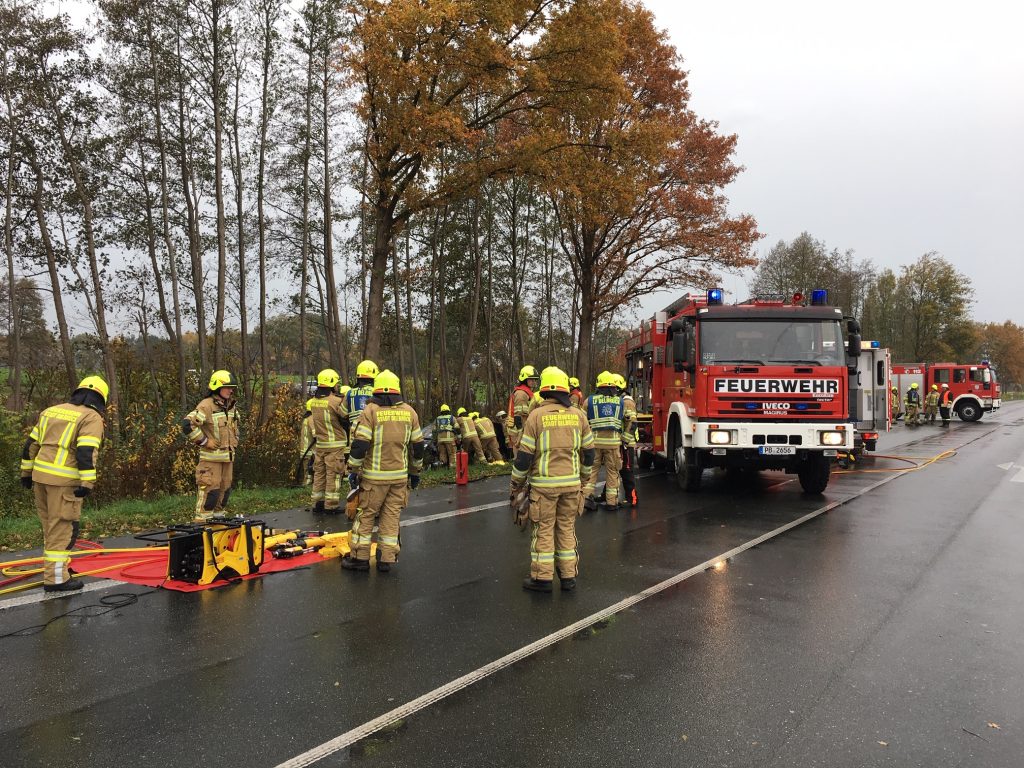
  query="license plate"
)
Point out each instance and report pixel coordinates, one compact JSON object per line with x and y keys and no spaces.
{"x":776,"y":450}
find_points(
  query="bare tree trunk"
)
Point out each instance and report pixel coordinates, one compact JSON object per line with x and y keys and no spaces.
{"x":85,"y":199}
{"x":218,"y":173}
{"x":408,"y":316}
{"x":474,"y":303}
{"x":237,"y":171}
{"x":489,"y":310}
{"x":398,"y":314}
{"x":333,"y":315}
{"x":14,"y":402}
{"x":172,"y":258}
{"x":261,"y":221}
{"x":55,"y":286}
{"x":192,"y":220}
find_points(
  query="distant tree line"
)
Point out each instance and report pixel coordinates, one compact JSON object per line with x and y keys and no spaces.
{"x":922,"y":312}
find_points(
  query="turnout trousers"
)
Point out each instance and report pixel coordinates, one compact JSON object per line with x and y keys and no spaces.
{"x":553,"y":513}
{"x":628,"y":456}
{"x":59,"y":512}
{"x":491,"y":451}
{"x":328,"y":471}
{"x":609,"y":458}
{"x":213,"y":479}
{"x":380,"y":504}
{"x":471,"y":445}
{"x":446,"y":453}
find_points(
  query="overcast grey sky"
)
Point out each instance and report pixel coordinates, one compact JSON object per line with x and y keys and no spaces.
{"x":890,"y":128}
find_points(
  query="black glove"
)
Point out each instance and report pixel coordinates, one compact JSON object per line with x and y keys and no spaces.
{"x":81,"y":492}
{"x":353,"y":480}
{"x":26,"y":482}
{"x":414,"y":481}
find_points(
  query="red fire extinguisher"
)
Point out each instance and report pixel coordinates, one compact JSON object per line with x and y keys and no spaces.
{"x":461,"y":468}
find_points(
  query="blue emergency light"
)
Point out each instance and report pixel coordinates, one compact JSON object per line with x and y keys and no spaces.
{"x":715,"y":296}
{"x":819,"y":297}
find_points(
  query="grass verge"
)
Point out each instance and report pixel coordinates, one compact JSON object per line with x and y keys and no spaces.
{"x":123,"y":518}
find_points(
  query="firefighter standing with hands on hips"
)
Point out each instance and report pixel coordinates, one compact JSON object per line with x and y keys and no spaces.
{"x":554,"y":458}
{"x":385,"y":460}
{"x":519,"y":405}
{"x":213,"y":426}
{"x":945,"y":405}
{"x":331,"y":442}
{"x":59,"y":463}
{"x":931,"y":404}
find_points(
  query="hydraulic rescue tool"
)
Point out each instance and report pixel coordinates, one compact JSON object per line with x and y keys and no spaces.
{"x":219,"y":548}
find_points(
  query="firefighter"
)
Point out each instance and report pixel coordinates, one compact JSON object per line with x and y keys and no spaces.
{"x":331,"y":442}
{"x":630,"y":437}
{"x":575,"y":393}
{"x":469,"y":442}
{"x":444,"y":435}
{"x":895,"y":403}
{"x":386,"y":459}
{"x":945,"y":405}
{"x":913,"y":405}
{"x":499,"y":431}
{"x":213,"y":427}
{"x":555,"y":453}
{"x":488,"y":440}
{"x":931,"y":404}
{"x":307,"y":439}
{"x":357,"y":396}
{"x":59,"y":463}
{"x":519,"y":405}
{"x":606,"y":411}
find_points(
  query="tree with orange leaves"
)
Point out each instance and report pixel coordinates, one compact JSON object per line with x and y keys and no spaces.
{"x":637,"y":183}
{"x":435,"y":81}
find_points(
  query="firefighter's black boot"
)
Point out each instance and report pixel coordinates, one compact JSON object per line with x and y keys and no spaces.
{"x":383,"y":567}
{"x":71,"y":585}
{"x":318,"y":508}
{"x":350,"y":563}
{"x":569,"y":584}
{"x":536,"y":585}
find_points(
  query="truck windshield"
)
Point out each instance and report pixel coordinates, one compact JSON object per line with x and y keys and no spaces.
{"x":772,"y":342}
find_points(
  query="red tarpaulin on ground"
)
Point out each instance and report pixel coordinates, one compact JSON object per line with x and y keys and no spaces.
{"x":149,"y":568}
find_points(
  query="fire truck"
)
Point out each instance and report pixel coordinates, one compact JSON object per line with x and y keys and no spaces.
{"x":975,"y":387}
{"x":760,"y":385}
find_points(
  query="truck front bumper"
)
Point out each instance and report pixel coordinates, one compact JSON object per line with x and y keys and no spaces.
{"x":772,"y":439}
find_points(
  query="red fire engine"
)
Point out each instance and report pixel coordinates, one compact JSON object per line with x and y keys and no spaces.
{"x":759,"y":385}
{"x":974,"y":387}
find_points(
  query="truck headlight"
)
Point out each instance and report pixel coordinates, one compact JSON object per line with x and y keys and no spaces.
{"x":831,"y":438}
{"x":720,"y":436}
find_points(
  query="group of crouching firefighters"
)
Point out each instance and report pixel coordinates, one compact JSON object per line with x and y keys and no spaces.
{"x":366,"y":438}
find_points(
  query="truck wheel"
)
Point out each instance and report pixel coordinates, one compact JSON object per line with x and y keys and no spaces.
{"x":869,"y":445}
{"x":645,"y":460}
{"x":814,"y":474}
{"x":968,"y":410}
{"x":688,"y":471}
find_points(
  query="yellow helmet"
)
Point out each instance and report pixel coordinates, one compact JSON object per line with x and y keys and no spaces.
{"x":527,"y":372}
{"x":620,"y":381}
{"x":554,"y":379}
{"x":460,"y":412}
{"x":935,"y":387}
{"x":574,"y":382}
{"x":328,"y":377}
{"x":914,"y":385}
{"x":605,"y":379}
{"x":367,"y":370}
{"x":221,"y":379}
{"x":96,"y":384}
{"x":386,"y":383}
{"x":474,"y":414}
{"x":343,"y":389}
{"x":445,"y":408}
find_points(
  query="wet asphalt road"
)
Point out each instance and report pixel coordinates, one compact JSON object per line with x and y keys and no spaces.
{"x":888,"y":631}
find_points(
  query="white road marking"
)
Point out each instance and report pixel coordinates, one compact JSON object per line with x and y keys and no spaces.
{"x":1019,"y":476}
{"x":422,"y":702}
{"x":39,"y":597}
{"x":452,"y":513}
